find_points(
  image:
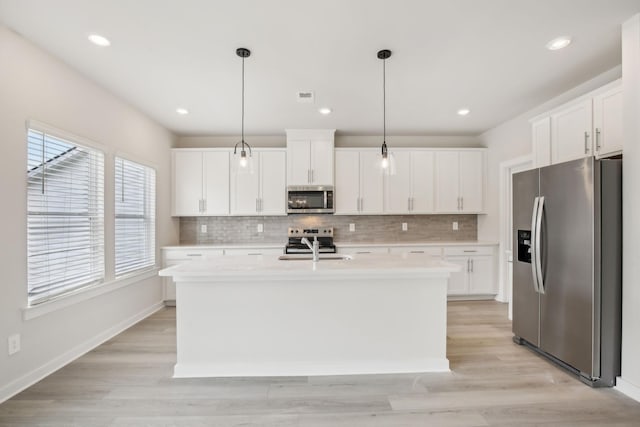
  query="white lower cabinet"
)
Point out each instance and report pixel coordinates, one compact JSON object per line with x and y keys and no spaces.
{"x":174,"y":256}
{"x":476,"y":276}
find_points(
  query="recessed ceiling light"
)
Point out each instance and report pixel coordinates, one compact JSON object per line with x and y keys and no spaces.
{"x":463,"y":111}
{"x":182,"y":111}
{"x":99,"y":40}
{"x":325,"y":110}
{"x":559,"y":43}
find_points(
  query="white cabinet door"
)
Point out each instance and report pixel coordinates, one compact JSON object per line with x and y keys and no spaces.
{"x":571,"y":132}
{"x":481,"y":281}
{"x":422,"y":182}
{"x":607,"y":122}
{"x":273,"y":191}
{"x":347,"y":190}
{"x":471,"y":181}
{"x":371,"y":183}
{"x":187,"y":183}
{"x":447,"y":185}
{"x":541,"y":140}
{"x":322,"y":162}
{"x":216,"y":182}
{"x":245,"y":188}
{"x":458,"y":281}
{"x":298,"y":162}
{"x":397,"y":196}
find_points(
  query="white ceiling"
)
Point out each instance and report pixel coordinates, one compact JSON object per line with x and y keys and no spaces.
{"x":488,"y":55}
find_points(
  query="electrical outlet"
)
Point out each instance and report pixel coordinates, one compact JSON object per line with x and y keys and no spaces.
{"x":352,"y":227}
{"x":455,"y":225}
{"x":203,"y":228}
{"x":404,"y":226}
{"x":260,"y":228}
{"x":13,"y":344}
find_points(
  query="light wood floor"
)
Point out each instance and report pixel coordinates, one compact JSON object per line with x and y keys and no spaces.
{"x":494,"y":382}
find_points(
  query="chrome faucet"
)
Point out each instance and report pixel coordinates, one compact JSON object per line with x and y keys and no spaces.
{"x":315,"y":247}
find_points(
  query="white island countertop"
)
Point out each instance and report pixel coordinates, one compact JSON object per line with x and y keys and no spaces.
{"x":302,"y":267}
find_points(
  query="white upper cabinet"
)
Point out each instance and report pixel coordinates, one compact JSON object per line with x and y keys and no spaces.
{"x":590,"y":125}
{"x":200,"y":185}
{"x":460,"y":181}
{"x":310,"y":157}
{"x":261,"y":190}
{"x":607,"y":122}
{"x":571,"y":132}
{"x":411,"y":189}
{"x":541,"y":137}
{"x":360,"y":182}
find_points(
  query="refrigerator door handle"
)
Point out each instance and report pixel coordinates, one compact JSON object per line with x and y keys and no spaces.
{"x":534,"y":216}
{"x":538,"y":239}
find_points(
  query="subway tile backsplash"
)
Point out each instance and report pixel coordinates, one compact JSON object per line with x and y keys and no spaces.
{"x":368,"y":229}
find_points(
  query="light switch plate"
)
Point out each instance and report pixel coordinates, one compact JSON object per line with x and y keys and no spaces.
{"x":260,"y":228}
{"x":352,"y":227}
{"x":405,"y":227}
{"x":455,"y":225}
{"x":203,"y":228}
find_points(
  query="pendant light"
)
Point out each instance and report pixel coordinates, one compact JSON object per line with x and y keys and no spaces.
{"x":243,"y":161}
{"x":387,"y":162}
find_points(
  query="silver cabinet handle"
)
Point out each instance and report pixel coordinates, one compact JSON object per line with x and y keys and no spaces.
{"x":257,"y":210}
{"x":194,"y":254}
{"x":412,"y":200}
{"x":363,"y":252}
{"x":204,"y":205}
{"x":534,"y":217}
{"x":538,"y":252}
{"x":586,"y":142}
{"x":416,"y":252}
{"x":313,"y":178}
{"x":468,"y":265}
{"x":409,"y":204}
{"x":471,"y":265}
{"x":597,"y":139}
{"x":461,"y":203}
{"x":200,"y":205}
{"x":470,"y":250}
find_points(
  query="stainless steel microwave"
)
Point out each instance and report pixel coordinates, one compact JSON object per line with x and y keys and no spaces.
{"x":305,"y":199}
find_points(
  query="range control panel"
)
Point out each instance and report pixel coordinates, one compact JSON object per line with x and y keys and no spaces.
{"x":311,"y":232}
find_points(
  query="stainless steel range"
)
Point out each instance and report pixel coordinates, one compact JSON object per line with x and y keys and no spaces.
{"x":323,"y":234}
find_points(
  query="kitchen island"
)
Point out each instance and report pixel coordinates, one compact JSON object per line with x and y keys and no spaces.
{"x":262,"y":316}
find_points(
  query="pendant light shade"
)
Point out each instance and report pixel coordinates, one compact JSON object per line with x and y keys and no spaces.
{"x":243,"y":158}
{"x":387,"y":163}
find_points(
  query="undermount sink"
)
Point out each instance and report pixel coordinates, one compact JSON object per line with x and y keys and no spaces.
{"x":323,"y":257}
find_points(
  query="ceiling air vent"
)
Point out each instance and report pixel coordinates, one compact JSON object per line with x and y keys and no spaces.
{"x":305,"y":96}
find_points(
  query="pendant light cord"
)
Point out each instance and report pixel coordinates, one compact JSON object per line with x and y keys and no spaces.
{"x":243,"y":103}
{"x":384,"y":102}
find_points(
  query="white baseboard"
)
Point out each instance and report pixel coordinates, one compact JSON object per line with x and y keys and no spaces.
{"x":631,"y":390}
{"x":27,"y":380}
{"x":273,"y":369}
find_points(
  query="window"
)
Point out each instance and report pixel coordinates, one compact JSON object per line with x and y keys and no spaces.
{"x":135,"y":210}
{"x":65,"y":216}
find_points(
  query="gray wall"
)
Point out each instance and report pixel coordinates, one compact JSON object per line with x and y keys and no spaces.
{"x":369,"y":229}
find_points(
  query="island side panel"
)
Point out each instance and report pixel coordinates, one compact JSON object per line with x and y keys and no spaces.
{"x":311,"y":327}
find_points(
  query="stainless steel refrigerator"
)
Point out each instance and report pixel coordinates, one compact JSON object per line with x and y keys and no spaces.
{"x":567,"y":265}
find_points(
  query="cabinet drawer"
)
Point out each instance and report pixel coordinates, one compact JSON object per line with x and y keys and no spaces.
{"x":468,"y":250}
{"x":254,"y":251}
{"x":429,"y":250}
{"x":188,"y":254}
{"x":363,"y":250}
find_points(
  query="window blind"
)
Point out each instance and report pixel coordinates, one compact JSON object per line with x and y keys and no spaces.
{"x":135,"y":216}
{"x":65,"y":216}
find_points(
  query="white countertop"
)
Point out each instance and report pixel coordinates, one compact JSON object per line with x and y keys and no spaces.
{"x":269,"y":266}
{"x":338,"y":244}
